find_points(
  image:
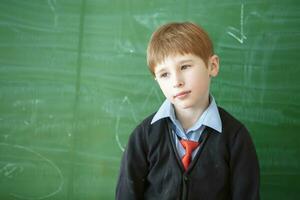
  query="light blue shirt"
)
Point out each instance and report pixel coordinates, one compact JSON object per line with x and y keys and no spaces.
{"x":210,"y":118}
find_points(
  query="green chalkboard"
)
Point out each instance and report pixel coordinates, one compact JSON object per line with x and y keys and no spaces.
{"x":74,"y":83}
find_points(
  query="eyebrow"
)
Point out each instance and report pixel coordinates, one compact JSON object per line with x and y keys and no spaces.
{"x":179,"y":63}
{"x":185,"y":61}
{"x":161,"y":70}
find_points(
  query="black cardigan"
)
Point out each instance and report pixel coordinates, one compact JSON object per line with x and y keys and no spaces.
{"x":225,"y":167}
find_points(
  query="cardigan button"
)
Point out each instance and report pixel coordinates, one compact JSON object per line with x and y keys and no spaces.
{"x":185,"y":178}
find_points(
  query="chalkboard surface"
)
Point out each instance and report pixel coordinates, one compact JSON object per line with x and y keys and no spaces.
{"x":74,"y":83}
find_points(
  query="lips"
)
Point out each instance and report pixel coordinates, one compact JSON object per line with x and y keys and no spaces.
{"x":181,"y":95}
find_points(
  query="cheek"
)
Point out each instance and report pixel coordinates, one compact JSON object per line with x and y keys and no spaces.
{"x":200,"y":82}
{"x":166,"y":91}
{"x":165,"y":88}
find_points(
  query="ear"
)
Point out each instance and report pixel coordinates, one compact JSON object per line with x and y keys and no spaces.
{"x":213,"y":65}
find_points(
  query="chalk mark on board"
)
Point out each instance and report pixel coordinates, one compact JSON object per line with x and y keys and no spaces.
{"x":52,"y":4}
{"x":133,"y":115}
{"x":127,"y":101}
{"x":152,"y":92}
{"x":240,"y":37}
{"x":10,"y":170}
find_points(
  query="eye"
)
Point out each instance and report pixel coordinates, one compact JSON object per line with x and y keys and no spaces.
{"x":183,"y":67}
{"x":164,"y":75}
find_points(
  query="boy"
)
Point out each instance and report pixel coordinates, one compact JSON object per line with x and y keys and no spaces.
{"x":190,"y":148}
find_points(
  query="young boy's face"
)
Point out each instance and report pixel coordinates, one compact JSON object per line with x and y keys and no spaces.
{"x":185,"y":80}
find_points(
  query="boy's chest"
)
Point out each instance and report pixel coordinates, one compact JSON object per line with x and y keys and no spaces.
{"x":209,"y":169}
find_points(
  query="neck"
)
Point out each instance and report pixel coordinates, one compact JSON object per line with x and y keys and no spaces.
{"x":189,"y":116}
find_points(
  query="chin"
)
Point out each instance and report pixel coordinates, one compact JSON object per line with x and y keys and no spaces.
{"x":183,"y":106}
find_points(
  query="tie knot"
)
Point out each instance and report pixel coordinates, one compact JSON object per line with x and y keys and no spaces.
{"x":189,"y":145}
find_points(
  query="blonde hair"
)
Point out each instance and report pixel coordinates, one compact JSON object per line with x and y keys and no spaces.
{"x":178,"y":38}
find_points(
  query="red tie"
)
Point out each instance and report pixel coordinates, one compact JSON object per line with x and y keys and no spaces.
{"x":189,"y":147}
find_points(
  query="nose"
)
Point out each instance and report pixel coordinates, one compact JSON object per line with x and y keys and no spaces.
{"x":177,"y":81}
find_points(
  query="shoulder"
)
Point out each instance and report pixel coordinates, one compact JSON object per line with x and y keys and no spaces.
{"x":147,"y":129}
{"x":229,"y":122}
{"x":145,"y":124}
{"x":232,"y":127}
{"x":146,"y":134}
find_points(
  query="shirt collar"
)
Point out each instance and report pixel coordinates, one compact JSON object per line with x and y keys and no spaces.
{"x":210,"y":116}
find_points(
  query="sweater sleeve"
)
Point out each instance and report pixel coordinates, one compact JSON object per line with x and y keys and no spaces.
{"x":244,"y":167}
{"x":134,"y":167}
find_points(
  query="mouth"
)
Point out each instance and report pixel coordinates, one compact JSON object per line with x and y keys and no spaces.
{"x":182,"y":95}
